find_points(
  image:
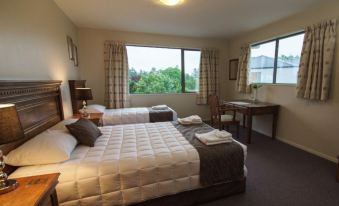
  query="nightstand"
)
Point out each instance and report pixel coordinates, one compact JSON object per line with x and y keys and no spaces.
{"x":96,"y":118}
{"x":34,"y":190}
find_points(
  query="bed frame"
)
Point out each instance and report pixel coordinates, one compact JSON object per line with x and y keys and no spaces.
{"x":39,"y":105}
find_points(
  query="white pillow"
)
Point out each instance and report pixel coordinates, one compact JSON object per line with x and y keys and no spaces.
{"x":51,"y":146}
{"x":96,"y":107}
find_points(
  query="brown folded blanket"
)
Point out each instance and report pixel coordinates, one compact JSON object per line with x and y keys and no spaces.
{"x":165,"y":115}
{"x":218,"y":163}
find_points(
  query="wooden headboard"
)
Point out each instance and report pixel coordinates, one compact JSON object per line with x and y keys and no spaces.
{"x":39,"y":106}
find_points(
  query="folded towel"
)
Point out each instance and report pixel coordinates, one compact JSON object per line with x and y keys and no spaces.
{"x":222,"y":134}
{"x":194,"y":119}
{"x":160,"y":107}
{"x":215,"y":142}
{"x":215,"y":137}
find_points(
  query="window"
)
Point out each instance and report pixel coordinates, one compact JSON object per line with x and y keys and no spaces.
{"x":276,"y":61}
{"x":155,"y":70}
{"x":192,"y":62}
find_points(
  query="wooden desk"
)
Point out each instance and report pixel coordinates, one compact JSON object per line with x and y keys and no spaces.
{"x":249,"y":109}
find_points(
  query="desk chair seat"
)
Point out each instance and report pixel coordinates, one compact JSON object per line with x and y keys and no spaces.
{"x":219,"y":116}
{"x":226,"y":117}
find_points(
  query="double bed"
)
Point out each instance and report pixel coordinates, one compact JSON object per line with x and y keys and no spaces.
{"x":131,"y":164}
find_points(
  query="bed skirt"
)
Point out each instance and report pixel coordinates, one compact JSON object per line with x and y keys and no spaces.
{"x":198,"y":196}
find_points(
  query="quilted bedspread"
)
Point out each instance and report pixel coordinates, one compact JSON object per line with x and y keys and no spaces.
{"x":126,"y":116}
{"x":137,"y":115}
{"x":128,"y":164}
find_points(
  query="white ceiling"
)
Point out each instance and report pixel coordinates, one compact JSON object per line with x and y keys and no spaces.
{"x":198,"y":18}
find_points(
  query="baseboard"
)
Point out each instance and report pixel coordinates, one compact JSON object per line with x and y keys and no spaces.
{"x":307,"y":149}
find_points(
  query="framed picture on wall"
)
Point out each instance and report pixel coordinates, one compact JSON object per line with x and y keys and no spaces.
{"x":70,"y":47}
{"x":75,"y":55}
{"x":233,"y":69}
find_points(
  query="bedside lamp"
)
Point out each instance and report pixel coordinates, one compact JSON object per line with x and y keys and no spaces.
{"x":84,"y":94}
{"x":10,"y":130}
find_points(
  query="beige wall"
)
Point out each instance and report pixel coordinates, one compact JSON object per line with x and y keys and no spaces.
{"x":33,"y":44}
{"x":312,"y":126}
{"x":92,"y":66}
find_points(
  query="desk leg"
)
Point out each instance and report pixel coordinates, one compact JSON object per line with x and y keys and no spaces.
{"x":274,"y":124}
{"x":244,"y":120}
{"x":249,"y":128}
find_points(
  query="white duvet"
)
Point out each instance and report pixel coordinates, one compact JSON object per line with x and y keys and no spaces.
{"x":128,"y":116}
{"x":128,"y":164}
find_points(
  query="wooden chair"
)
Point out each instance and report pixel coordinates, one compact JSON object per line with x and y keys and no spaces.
{"x":220,"y":114}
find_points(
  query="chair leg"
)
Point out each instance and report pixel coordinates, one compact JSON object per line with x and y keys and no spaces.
{"x":228,"y":128}
{"x":237,"y":130}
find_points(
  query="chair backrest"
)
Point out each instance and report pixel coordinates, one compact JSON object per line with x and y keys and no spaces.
{"x":213,"y":102}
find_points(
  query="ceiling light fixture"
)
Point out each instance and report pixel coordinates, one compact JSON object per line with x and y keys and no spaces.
{"x":171,"y":2}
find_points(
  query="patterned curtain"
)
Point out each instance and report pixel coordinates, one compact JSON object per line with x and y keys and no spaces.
{"x":116,"y":74}
{"x":242,"y":76}
{"x":316,"y":61}
{"x":208,"y":75}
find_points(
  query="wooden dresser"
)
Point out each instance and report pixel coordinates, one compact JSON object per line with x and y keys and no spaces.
{"x":73,"y":84}
{"x":33,"y":191}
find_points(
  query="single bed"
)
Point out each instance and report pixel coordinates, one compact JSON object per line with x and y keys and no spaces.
{"x":121,"y":116}
{"x":132,"y":164}
{"x":132,"y":115}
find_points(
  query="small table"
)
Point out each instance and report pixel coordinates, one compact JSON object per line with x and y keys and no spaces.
{"x":34,"y":190}
{"x":249,"y":109}
{"x":96,"y":118}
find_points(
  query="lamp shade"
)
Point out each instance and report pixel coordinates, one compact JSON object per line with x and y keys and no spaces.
{"x":10,"y":126}
{"x":83,"y":94}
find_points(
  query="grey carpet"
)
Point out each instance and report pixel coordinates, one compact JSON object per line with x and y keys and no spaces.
{"x":281,"y":175}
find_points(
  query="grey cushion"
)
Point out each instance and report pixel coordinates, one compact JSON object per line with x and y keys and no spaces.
{"x":85,"y":131}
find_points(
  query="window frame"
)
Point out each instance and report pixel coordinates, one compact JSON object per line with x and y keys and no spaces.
{"x":275,"y":65}
{"x":182,"y":54}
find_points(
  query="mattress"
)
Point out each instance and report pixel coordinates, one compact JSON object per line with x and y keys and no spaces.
{"x":130,"y":115}
{"x":128,"y":164}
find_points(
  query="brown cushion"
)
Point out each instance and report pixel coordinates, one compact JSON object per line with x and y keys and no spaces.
{"x":85,"y":131}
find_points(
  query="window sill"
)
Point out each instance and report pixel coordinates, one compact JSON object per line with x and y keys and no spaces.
{"x":277,"y":84}
{"x":165,"y":94}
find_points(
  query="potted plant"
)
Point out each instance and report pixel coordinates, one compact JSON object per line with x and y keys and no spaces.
{"x":255,"y":87}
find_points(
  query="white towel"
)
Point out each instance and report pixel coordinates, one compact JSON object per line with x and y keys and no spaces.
{"x":222,"y":134}
{"x":194,"y":119}
{"x":160,"y":107}
{"x":215,"y":137}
